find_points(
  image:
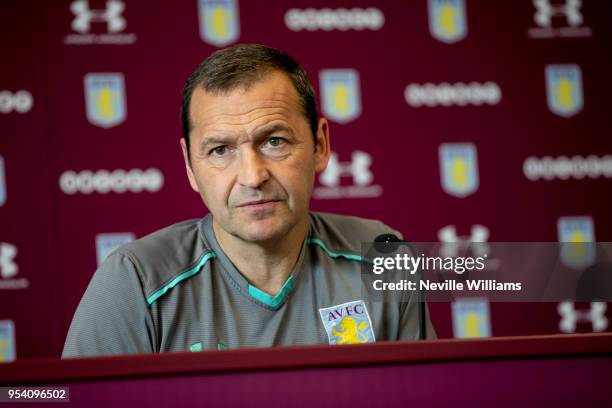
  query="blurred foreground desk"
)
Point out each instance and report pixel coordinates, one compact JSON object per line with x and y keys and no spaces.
{"x":563,"y":370}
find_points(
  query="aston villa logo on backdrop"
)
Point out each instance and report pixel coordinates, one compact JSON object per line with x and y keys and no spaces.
{"x":219,"y":21}
{"x":471,"y":318}
{"x":7,"y":341}
{"x":564,"y":89}
{"x":105,"y":99}
{"x":458,"y":169}
{"x":447,"y":20}
{"x":340,"y":94}
{"x":576,"y":235}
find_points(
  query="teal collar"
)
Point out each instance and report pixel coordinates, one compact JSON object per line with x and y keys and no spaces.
{"x":272,"y":301}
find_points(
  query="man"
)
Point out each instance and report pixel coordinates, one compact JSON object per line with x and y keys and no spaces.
{"x":259,"y":269}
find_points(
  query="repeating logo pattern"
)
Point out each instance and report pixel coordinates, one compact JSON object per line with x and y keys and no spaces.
{"x":350,"y":174}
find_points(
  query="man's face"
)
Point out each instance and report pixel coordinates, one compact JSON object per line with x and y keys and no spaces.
{"x":253,"y":159}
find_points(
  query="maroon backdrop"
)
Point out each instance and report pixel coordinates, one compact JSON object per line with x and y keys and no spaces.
{"x":474,"y":74}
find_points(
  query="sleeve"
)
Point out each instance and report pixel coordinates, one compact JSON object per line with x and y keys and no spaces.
{"x":409,"y":322}
{"x":112,"y":316}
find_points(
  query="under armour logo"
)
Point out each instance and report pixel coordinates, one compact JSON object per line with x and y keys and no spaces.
{"x":570,"y":316}
{"x":546,"y":11}
{"x":452,"y":243}
{"x":84,"y":16}
{"x":8,"y":267}
{"x":358,"y":168}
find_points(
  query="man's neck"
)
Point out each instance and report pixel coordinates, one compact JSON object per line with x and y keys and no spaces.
{"x":265,"y":265}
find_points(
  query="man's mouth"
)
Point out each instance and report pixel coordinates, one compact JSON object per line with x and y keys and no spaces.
{"x":259,"y":203}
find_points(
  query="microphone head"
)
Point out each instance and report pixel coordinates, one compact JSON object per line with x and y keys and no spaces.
{"x":386,"y":238}
{"x":386,"y":243}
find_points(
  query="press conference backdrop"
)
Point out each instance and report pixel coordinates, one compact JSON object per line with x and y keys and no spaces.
{"x":450,"y":120}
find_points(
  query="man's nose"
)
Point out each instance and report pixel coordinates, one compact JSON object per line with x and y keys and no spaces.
{"x":253,"y":172}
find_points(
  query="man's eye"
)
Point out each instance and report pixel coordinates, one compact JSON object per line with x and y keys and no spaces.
{"x":219,"y":151}
{"x":276,"y":141}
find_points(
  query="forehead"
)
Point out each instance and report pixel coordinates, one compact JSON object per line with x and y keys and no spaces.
{"x":273,"y":97}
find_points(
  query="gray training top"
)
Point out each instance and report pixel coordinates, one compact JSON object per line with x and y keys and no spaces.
{"x":175,"y":290}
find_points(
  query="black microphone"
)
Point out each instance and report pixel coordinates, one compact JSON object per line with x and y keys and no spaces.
{"x":393,"y":239}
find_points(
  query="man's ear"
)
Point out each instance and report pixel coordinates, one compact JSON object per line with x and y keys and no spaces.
{"x":190,"y":175}
{"x":322,"y":147}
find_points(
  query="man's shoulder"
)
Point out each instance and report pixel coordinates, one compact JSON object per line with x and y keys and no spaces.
{"x":166,"y":253}
{"x":172,"y":239}
{"x":345,"y":232}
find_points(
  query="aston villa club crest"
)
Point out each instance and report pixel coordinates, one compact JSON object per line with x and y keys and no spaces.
{"x":458,"y":169}
{"x":7,"y":341}
{"x":340,"y":94}
{"x":564,"y":89}
{"x":348,"y":323}
{"x":219,"y":21}
{"x":447,"y":20}
{"x":576,"y":236}
{"x":471,"y":318}
{"x":105,"y":99}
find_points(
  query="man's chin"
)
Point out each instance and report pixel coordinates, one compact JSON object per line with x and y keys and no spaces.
{"x":262,"y":231}
{"x":261,"y":235}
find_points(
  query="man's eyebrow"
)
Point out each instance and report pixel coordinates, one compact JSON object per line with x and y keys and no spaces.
{"x":216,"y":139}
{"x":273,"y":128}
